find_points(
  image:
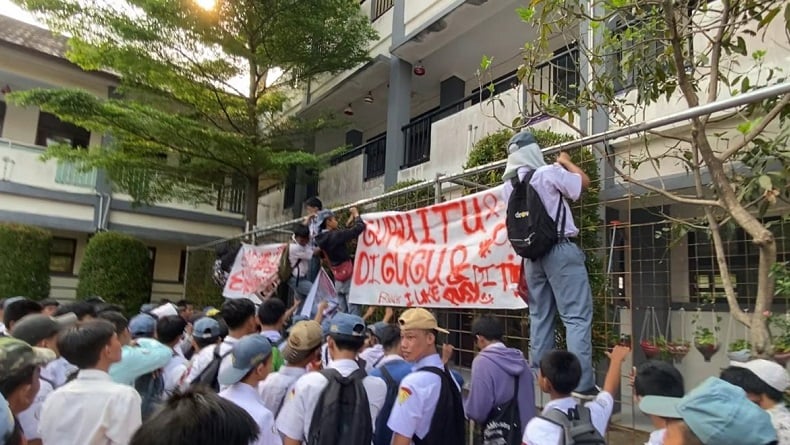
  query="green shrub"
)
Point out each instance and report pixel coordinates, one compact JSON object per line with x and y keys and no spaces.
{"x":200,"y":286}
{"x":117,"y":268}
{"x":408,"y":201}
{"x":24,"y":261}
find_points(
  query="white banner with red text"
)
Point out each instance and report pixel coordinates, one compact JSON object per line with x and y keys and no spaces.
{"x":255,"y":272}
{"x":450,"y":255}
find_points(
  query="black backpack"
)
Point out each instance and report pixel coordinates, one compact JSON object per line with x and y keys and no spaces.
{"x":576,"y":425}
{"x":383,"y":435}
{"x":151,"y":388}
{"x":530,"y":229}
{"x":208,"y":376}
{"x":448,"y":423}
{"x":503,"y":426}
{"x":342,"y":413}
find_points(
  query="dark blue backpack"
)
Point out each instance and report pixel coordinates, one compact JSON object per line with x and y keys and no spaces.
{"x":383,"y":435}
{"x":151,"y":387}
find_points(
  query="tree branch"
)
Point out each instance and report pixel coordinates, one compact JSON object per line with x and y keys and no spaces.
{"x":757,"y":130}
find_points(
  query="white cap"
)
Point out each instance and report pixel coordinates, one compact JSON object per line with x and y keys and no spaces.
{"x":769,"y":372}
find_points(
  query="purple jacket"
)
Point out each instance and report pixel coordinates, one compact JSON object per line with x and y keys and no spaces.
{"x":494,"y":372}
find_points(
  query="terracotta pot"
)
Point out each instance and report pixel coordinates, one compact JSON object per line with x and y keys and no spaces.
{"x":782,"y":357}
{"x":742,"y":356}
{"x":651,"y":351}
{"x":707,"y":351}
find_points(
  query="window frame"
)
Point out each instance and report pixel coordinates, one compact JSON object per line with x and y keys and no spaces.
{"x":72,"y":257}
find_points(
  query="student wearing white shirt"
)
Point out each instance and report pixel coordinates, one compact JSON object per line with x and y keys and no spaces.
{"x":300,"y":254}
{"x":346,"y":336}
{"x":251,"y":362}
{"x":301,"y":351}
{"x":657,"y":378}
{"x":92,"y":409}
{"x":206,"y":335}
{"x":559,"y":374}
{"x":42,"y":331}
{"x":239,"y":314}
{"x":140,"y":356}
{"x":169,"y":331}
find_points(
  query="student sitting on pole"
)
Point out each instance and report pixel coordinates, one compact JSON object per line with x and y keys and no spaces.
{"x":541,"y":229}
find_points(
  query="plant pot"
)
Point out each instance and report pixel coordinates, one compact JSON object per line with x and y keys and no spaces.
{"x":651,"y":351}
{"x":740,"y":356}
{"x":707,"y":350}
{"x":782,"y":357}
{"x":678,"y":351}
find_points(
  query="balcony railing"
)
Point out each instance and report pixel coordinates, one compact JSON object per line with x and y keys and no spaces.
{"x":379,"y":7}
{"x":557,"y":78}
{"x":69,"y":173}
{"x":375,"y":151}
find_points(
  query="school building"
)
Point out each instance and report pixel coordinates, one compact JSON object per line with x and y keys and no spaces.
{"x":414,"y":111}
{"x":71,"y":203}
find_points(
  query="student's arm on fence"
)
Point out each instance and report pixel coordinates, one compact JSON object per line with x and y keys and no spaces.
{"x":616,"y":359}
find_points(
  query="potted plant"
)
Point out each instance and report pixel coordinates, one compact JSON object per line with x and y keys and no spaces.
{"x":782,"y":339}
{"x":705,"y":342}
{"x":739,"y":351}
{"x":678,"y":349}
{"x":652,"y":348}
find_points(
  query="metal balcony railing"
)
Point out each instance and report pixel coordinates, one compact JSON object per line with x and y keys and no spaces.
{"x":70,"y":173}
{"x":379,"y":7}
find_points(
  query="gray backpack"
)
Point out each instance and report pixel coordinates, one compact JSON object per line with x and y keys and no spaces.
{"x":576,"y":425}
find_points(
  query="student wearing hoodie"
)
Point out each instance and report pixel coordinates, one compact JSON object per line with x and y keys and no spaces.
{"x":494,"y":374}
{"x":333,"y":241}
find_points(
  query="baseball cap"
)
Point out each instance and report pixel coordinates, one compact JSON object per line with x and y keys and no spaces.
{"x":717,"y":412}
{"x":6,"y":420}
{"x":12,"y":300}
{"x":147,"y":308}
{"x":305,"y":336}
{"x":347,"y":324}
{"x":248,"y":353}
{"x":296,"y":319}
{"x":142,"y":325}
{"x":376,"y":329}
{"x":419,"y":318}
{"x":206,"y":327}
{"x":36,"y":327}
{"x":16,"y":355}
{"x":772,"y":373}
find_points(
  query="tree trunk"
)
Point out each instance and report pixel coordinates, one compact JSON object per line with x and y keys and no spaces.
{"x":251,"y":201}
{"x":760,"y":336}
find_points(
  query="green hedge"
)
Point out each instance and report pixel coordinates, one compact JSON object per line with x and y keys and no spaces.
{"x":24,"y":261}
{"x":117,"y":268}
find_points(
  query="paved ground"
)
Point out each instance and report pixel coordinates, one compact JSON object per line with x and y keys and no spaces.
{"x":617,"y":436}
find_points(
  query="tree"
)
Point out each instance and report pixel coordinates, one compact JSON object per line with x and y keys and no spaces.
{"x":181,"y":124}
{"x":690,"y":52}
{"x":117,"y":268}
{"x":24,"y":261}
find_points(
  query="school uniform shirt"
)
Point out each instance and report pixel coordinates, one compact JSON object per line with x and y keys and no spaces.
{"x":28,"y":419}
{"x":58,"y":371}
{"x":418,"y":395}
{"x":247,"y":398}
{"x":226,"y":346}
{"x":656,"y":437}
{"x":275,"y":388}
{"x":297,"y":411}
{"x":275,"y":338}
{"x":198,"y":363}
{"x":780,"y":418}
{"x":90,"y":410}
{"x":542,"y":432}
{"x":372,"y":355}
{"x":173,"y":372}
{"x":302,"y":255}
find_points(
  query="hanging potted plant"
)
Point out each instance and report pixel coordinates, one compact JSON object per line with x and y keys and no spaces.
{"x":651,"y":339}
{"x":739,"y":351}
{"x":782,"y":339}
{"x":650,"y":348}
{"x":678,"y":349}
{"x":705,"y":342}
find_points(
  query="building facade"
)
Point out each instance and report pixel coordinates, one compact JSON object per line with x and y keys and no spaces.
{"x":73,"y":203}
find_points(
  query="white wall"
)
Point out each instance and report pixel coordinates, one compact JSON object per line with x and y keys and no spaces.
{"x":343,"y":183}
{"x":420,"y":11}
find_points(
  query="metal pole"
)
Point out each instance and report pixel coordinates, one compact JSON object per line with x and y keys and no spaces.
{"x":186,"y":275}
{"x":713,"y":107}
{"x":437,"y":189}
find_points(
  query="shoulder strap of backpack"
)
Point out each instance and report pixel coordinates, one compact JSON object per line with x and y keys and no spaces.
{"x":387,"y":376}
{"x":584,"y":423}
{"x":560,"y":418}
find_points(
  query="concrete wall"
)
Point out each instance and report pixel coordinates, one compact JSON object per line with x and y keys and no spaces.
{"x":420,"y":11}
{"x":343,"y":183}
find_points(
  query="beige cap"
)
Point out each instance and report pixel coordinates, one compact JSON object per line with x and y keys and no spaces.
{"x":419,"y":318}
{"x":304,"y":337}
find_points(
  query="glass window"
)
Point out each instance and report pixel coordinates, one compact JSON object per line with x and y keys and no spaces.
{"x":61,"y":257}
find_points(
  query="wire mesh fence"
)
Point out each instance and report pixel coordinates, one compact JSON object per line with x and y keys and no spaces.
{"x":647,"y":271}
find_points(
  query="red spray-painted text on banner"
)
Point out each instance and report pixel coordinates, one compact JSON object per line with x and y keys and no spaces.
{"x":254,"y":270}
{"x":453,"y":254}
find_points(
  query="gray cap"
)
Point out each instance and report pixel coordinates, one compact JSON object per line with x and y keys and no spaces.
{"x":36,"y":327}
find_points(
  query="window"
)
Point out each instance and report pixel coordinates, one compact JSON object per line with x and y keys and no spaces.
{"x":311,"y":182}
{"x":52,"y":130}
{"x":417,"y":137}
{"x":705,"y":279}
{"x":289,"y":189}
{"x":2,"y":116}
{"x":376,"y":153}
{"x":557,"y":78}
{"x":61,"y":257}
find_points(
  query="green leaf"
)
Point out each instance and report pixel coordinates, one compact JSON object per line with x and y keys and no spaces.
{"x":765,"y":182}
{"x":745,"y":127}
{"x":525,"y":14}
{"x":485,"y":63}
{"x":768,"y":18}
